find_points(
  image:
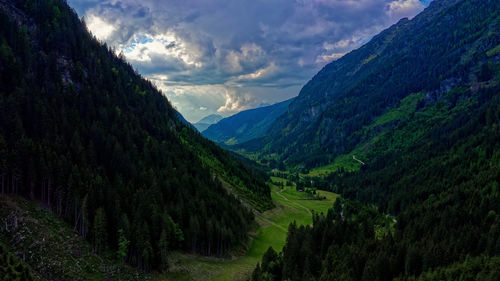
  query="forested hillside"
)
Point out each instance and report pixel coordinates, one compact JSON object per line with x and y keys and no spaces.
{"x":87,"y":136}
{"x":432,"y":53}
{"x":443,"y":188}
{"x":424,"y":203}
{"x":246,"y":125}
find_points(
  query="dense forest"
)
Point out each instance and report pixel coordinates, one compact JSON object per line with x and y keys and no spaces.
{"x":82,"y":132}
{"x":356,"y":242}
{"x":443,"y":189}
{"x":88,"y":138}
{"x":425,"y":205}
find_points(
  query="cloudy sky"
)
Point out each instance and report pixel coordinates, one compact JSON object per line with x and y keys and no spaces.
{"x":224,"y":56}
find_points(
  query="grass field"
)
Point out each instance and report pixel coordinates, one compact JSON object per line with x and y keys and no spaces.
{"x":273,"y":224}
{"x":344,"y":161}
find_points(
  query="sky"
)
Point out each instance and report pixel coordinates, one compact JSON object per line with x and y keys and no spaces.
{"x":224,"y":56}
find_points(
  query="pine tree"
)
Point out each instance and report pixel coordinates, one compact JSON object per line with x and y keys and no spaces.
{"x":163,"y":247}
{"x":3,"y":164}
{"x":122,"y":246}
{"x":100,"y":230}
{"x":257,"y":273}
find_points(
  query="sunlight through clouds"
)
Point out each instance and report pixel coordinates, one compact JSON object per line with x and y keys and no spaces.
{"x":143,"y":47}
{"x":404,"y":8}
{"x":207,"y":60}
{"x":100,"y":28}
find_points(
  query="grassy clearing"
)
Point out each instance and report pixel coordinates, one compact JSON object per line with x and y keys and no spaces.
{"x":290,"y":206}
{"x":403,"y":110}
{"x":49,"y":246}
{"x":59,"y":251}
{"x":406,"y":107}
{"x":343,"y":161}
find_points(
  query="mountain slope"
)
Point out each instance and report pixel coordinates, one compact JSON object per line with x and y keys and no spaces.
{"x":183,"y":120}
{"x":438,"y":173}
{"x":205,"y":122}
{"x":439,"y":46}
{"x":424,"y":204}
{"x":246,"y":125}
{"x":83,"y":133}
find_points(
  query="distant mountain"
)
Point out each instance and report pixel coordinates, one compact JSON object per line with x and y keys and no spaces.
{"x":211,"y":119}
{"x":183,"y":120}
{"x":206,"y":121}
{"x":246,"y":125}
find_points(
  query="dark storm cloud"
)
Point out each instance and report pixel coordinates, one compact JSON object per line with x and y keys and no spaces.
{"x":228,"y":55}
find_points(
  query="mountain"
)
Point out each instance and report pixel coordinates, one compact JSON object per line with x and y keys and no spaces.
{"x":246,"y":125}
{"x":410,"y":125}
{"x":183,"y":120}
{"x":331,"y":110}
{"x":206,"y":121}
{"x":211,"y":119}
{"x":87,"y":137}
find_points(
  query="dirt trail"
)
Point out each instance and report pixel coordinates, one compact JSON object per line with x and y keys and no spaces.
{"x":295,"y":203}
{"x":354,"y":157}
{"x":270,"y":222}
{"x":228,"y":188}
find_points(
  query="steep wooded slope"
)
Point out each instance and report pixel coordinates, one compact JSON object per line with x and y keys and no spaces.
{"x":432,"y":53}
{"x":425,"y":205}
{"x":85,"y":134}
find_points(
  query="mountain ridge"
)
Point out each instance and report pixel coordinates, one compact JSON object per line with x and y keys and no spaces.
{"x":245,"y":125}
{"x":87,"y":136}
{"x":351,"y":91}
{"x":206,"y":121}
{"x":423,"y":202}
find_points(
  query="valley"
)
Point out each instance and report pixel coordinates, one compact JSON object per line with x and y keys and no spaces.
{"x":57,"y":245}
{"x":271,"y":231}
{"x":385,"y":167}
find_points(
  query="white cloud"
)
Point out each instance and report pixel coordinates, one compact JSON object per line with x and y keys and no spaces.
{"x":209,"y":59}
{"x":145,"y":47}
{"x":198,"y":100}
{"x":336,"y":49}
{"x":249,"y":56}
{"x":264,"y":72}
{"x":404,"y":8}
{"x":232,"y":63}
{"x":339,"y":44}
{"x":330,"y":57}
{"x":100,"y":28}
{"x":235,"y":102}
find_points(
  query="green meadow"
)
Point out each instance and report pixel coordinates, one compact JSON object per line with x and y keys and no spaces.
{"x":291,"y":205}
